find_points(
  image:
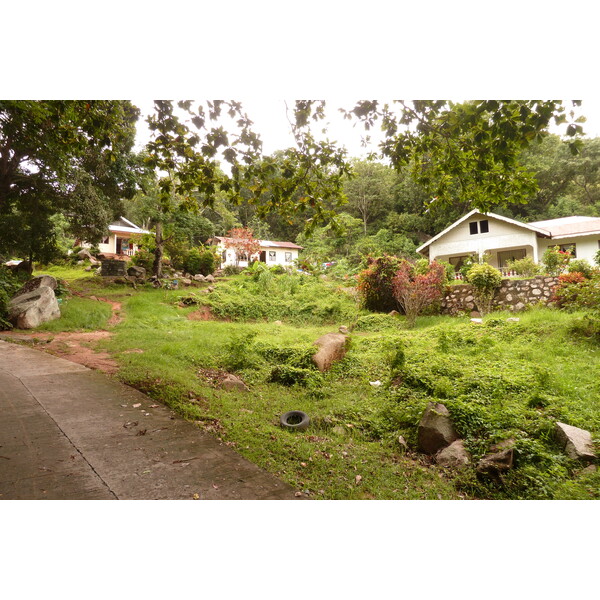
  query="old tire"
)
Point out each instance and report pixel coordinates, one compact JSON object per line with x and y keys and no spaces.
{"x":295,"y":419}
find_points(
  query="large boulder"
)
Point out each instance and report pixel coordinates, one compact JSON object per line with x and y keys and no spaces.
{"x":454,"y":455}
{"x":137,"y":272}
{"x":332,"y":347}
{"x":84,"y":254}
{"x":576,"y":442}
{"x":37,"y":282}
{"x":435,"y":429}
{"x":31,"y":309}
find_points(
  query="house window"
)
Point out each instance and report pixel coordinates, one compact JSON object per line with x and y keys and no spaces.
{"x":288,"y":257}
{"x":224,"y":255}
{"x":272,"y":255}
{"x":481,"y":227}
{"x":569,"y":248}
{"x":105,"y":240}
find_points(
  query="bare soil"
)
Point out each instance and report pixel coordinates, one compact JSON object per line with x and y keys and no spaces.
{"x":78,"y":347}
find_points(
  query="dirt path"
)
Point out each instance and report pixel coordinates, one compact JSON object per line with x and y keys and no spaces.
{"x":75,"y":346}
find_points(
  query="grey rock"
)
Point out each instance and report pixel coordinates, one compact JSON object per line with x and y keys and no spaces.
{"x":234,"y":383}
{"x":477,"y":321}
{"x":30,"y":310}
{"x":577,"y":443}
{"x":209,"y":278}
{"x":454,"y":455}
{"x":332,"y":347}
{"x":135,"y":271}
{"x":513,"y":320}
{"x":84,"y":254}
{"x":496,"y":463}
{"x":394,"y":313}
{"x":343,"y":329}
{"x":199,"y":277}
{"x":37,"y":282}
{"x":186,"y":281}
{"x":435,"y":429}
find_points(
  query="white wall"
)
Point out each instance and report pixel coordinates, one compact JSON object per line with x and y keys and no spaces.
{"x":459,"y":241}
{"x":278,"y":259}
{"x":585,"y":246}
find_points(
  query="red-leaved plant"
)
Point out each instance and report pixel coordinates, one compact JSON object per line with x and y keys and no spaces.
{"x":242,"y":241}
{"x":416,"y":291}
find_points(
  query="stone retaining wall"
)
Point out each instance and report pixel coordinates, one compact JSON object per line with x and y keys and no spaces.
{"x":113,"y":268}
{"x":512,"y":295}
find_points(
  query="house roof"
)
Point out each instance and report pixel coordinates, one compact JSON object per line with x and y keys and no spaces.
{"x":570,"y":226}
{"x":265,"y":243}
{"x":122,"y":225}
{"x":530,"y":226}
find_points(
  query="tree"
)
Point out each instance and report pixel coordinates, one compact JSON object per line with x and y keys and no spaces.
{"x":241,"y":240}
{"x":369,"y":190}
{"x":63,"y":157}
{"x":415,"y":291}
{"x":473,"y":147}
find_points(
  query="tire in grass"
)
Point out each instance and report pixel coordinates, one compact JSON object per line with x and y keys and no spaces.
{"x":295,"y":419}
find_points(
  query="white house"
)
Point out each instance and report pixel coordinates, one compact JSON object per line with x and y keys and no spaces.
{"x":507,"y":239}
{"x":271,"y":253}
{"x":118,"y":241}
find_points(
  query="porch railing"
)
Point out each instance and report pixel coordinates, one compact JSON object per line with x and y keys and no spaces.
{"x":506,"y":272}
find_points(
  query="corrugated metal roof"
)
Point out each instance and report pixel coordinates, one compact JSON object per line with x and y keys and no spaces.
{"x":265,"y":243}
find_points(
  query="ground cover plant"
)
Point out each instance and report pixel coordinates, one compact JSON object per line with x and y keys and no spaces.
{"x":499,"y":380}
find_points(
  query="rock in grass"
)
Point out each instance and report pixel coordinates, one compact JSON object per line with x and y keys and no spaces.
{"x":577,"y":443}
{"x":497,"y":463}
{"x":232,"y":383}
{"x":30,"y":310}
{"x":454,"y":455}
{"x":332,"y":347}
{"x":36,"y":282}
{"x":435,"y":429}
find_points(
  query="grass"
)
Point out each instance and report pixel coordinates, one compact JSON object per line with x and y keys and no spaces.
{"x":499,"y":380}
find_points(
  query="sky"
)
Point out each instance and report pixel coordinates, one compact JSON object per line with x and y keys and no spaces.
{"x":269,"y":116}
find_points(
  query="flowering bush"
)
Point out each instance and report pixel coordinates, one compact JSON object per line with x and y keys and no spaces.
{"x":375,"y":283}
{"x":416,"y":291}
{"x":555,"y":260}
{"x":574,"y":291}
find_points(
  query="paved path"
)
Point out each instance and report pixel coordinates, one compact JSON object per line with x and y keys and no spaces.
{"x":67,"y":432}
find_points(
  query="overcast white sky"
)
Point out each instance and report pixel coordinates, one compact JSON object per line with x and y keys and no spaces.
{"x":269,"y":116}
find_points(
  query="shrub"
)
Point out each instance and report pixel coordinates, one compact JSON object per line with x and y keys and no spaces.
{"x":597,"y":258}
{"x":9,"y":284}
{"x":555,"y":260}
{"x":574,"y":292}
{"x":232,"y":270}
{"x":526,"y":267}
{"x":143,"y":258}
{"x":416,"y":291}
{"x":199,"y":261}
{"x":375,"y":283}
{"x":580,"y":266}
{"x":485,"y":281}
{"x":289,"y":375}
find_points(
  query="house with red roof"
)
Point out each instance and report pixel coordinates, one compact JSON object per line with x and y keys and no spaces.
{"x":271,"y":253}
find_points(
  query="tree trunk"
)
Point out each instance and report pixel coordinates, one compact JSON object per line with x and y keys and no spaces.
{"x":158,"y":252}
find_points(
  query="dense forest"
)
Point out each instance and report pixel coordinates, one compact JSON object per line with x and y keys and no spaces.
{"x":386,"y":211}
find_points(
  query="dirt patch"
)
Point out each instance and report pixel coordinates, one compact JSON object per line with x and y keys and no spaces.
{"x":116,"y":316}
{"x":78,"y":347}
{"x":202,"y":314}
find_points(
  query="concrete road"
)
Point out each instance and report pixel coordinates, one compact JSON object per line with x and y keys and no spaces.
{"x":67,"y":432}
